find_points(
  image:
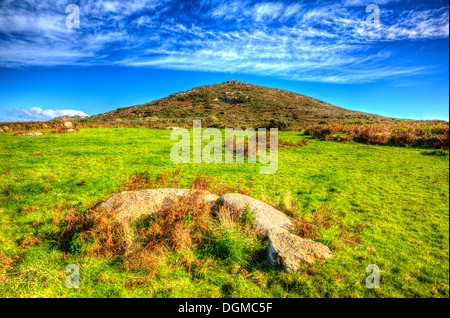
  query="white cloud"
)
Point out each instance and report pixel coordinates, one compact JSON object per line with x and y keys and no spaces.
{"x":367,"y":2}
{"x":38,"y":114}
{"x":320,"y":41}
{"x":267,"y":10}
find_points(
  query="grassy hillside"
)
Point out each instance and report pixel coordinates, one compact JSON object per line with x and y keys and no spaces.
{"x":397,"y":197}
{"x":235,"y":104}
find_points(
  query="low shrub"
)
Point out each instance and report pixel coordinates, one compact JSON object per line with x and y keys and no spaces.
{"x":417,"y":134}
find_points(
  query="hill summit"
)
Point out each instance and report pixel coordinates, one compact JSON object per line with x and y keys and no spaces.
{"x":236,"y":104}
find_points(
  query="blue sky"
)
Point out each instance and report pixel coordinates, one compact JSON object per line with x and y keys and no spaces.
{"x":132,"y":52}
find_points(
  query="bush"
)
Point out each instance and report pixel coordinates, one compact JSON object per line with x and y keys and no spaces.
{"x":278,"y":123}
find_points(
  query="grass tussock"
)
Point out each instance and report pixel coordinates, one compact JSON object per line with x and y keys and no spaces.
{"x":95,"y":232}
{"x":351,"y":235}
{"x":30,"y":240}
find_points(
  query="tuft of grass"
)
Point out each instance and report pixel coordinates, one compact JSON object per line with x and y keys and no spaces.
{"x":229,"y":244}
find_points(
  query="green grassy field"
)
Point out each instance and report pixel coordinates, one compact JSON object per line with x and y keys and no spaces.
{"x":400,"y":195}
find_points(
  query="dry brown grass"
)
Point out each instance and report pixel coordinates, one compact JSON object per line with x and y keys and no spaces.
{"x":48,"y":188}
{"x":180,"y":225}
{"x":305,"y":229}
{"x":143,"y":258}
{"x":29,"y":241}
{"x":290,"y":144}
{"x":24,"y":210}
{"x":326,"y":217}
{"x":351,"y":235}
{"x":243,"y":146}
{"x":141,"y":180}
{"x":5,"y":262}
{"x":227,"y":216}
{"x":98,"y":226}
{"x":216,"y":186}
{"x":417,"y":134}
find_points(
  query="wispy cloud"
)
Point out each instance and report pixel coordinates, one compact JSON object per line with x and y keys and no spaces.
{"x":38,"y":114}
{"x":320,"y":41}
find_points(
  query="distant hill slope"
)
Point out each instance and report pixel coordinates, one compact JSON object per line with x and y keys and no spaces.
{"x":235,"y":103}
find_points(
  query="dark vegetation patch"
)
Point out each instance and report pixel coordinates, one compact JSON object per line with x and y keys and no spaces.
{"x":437,"y":153}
